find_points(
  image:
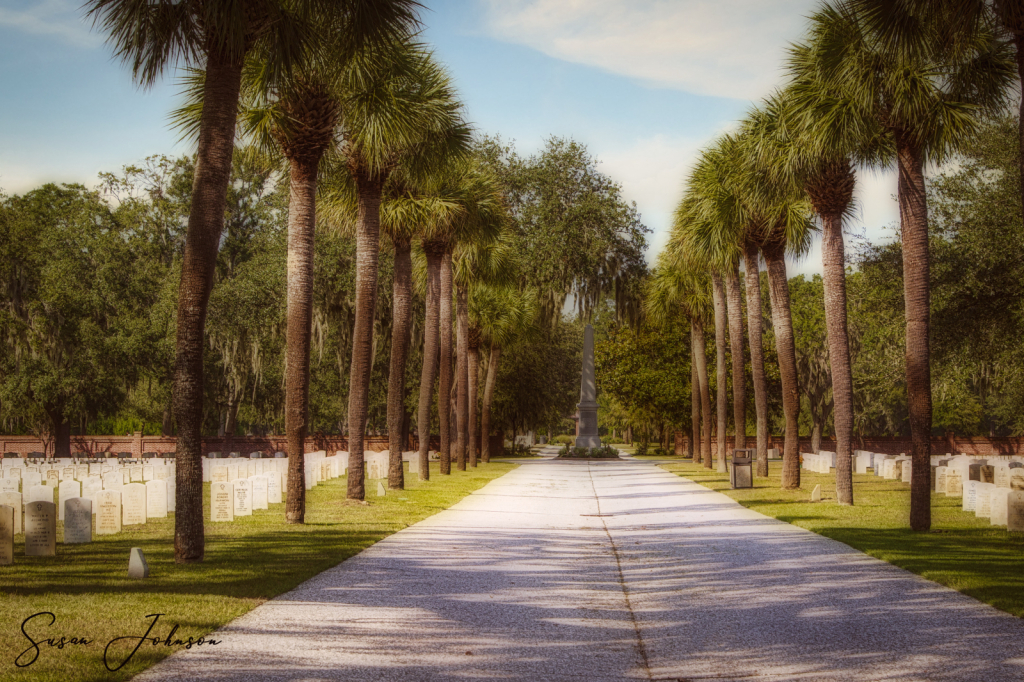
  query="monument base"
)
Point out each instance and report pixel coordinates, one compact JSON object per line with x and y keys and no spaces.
{"x":588,"y":441}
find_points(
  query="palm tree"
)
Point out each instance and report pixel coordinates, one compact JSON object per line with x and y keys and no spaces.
{"x":405,"y":112}
{"x":734,"y":201}
{"x":679,"y":285}
{"x":927,"y":101}
{"x":721,"y":329}
{"x":949,"y":27}
{"x":739,"y":384}
{"x":505,"y":314}
{"x":752,"y":281}
{"x":156,"y":36}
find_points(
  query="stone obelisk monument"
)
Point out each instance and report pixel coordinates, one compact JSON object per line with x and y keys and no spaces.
{"x":588,"y":437}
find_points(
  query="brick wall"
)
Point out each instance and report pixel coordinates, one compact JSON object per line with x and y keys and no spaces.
{"x":977,"y":446}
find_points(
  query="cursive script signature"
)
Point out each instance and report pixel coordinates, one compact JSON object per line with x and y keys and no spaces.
{"x":31,"y":654}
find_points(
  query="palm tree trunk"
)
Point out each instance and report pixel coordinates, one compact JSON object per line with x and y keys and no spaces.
{"x":428,"y":375}
{"x":834,"y":261}
{"x":722,"y":379}
{"x":485,"y":409}
{"x":914,"y":226}
{"x":739,"y":381}
{"x":782,"y":322}
{"x":202,"y":239}
{"x":474,"y":378}
{"x":367,"y":252}
{"x":700,"y":355}
{"x":462,"y":377}
{"x":301,"y":235}
{"x":444,"y":389}
{"x":401,"y":327}
{"x":752,"y":277}
{"x":694,"y":403}
{"x":1018,"y":41}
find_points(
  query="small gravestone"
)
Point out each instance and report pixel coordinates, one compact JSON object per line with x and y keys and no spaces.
{"x":954,"y":483}
{"x":67,"y":473}
{"x":53,"y":476}
{"x":40,"y":529}
{"x":997,"y":501}
{"x":250,"y":468}
{"x":222,"y":501}
{"x":1002,"y":476}
{"x":7,"y":534}
{"x":135,"y":474}
{"x":112,"y":481}
{"x":1015,"y":511}
{"x":13,"y":500}
{"x":147,"y":473}
{"x":108,"y":512}
{"x":983,"y":507}
{"x":137,"y":566}
{"x":39,"y":493}
{"x":30,"y":479}
{"x":988,"y":473}
{"x":219,"y":474}
{"x":77,"y":520}
{"x":91,"y":486}
{"x":66,"y":491}
{"x":816,"y":494}
{"x":12,"y":485}
{"x":156,"y":499}
{"x":381,"y":491}
{"x":81,"y":471}
{"x":133,"y":504}
{"x":940,"y":478}
{"x":274,"y":487}
{"x":1016,"y":480}
{"x":232,"y":471}
{"x":259,"y":492}
{"x":172,"y":494}
{"x":243,"y":497}
{"x":970,"y":500}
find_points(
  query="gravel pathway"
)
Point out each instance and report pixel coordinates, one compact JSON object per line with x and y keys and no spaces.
{"x":609,"y":571}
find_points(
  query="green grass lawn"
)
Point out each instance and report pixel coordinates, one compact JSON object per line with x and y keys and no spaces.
{"x":247,"y":562}
{"x":961,"y":551}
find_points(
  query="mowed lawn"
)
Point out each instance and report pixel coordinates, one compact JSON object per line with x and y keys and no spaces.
{"x":961,"y":551}
{"x":248,"y":561}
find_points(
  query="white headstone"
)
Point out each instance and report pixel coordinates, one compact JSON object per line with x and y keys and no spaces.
{"x":997,"y":500}
{"x":67,"y":490}
{"x":30,"y":479}
{"x":259,"y":492}
{"x":983,"y":507}
{"x":905,"y":472}
{"x":133,"y":504}
{"x":1015,"y":511}
{"x":108,"y":512}
{"x":243,"y":497}
{"x":77,"y":520}
{"x":91,"y":486}
{"x":147,"y":473}
{"x":218,"y":474}
{"x":39,"y":493}
{"x":7,"y":534}
{"x":156,"y":499}
{"x":137,"y":566}
{"x":40,"y":529}
{"x":135,"y":473}
{"x":970,"y":493}
{"x":13,"y":500}
{"x":954,"y":482}
{"x":12,"y":485}
{"x":222,"y":501}
{"x":274,"y":487}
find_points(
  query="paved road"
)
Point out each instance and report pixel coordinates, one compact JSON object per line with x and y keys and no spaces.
{"x":610,"y":571}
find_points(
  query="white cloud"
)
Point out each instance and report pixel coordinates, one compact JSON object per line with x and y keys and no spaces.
{"x":727,"y":48}
{"x":59,"y":18}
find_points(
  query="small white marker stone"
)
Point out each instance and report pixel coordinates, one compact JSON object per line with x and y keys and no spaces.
{"x":381,"y":491}
{"x":816,"y":493}
{"x":137,"y":566}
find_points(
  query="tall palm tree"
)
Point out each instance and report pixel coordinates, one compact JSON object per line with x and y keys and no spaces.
{"x":752,"y":282}
{"x":927,"y":100}
{"x":721,"y":330}
{"x":156,"y":36}
{"x":734,"y":305}
{"x":679,"y":285}
{"x":402,"y":113}
{"x":506,"y":315}
{"x":949,"y":27}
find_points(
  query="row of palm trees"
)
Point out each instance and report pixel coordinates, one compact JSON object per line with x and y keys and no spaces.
{"x":371,"y":134}
{"x":873,"y":84}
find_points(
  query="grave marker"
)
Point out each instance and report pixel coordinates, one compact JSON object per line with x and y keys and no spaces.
{"x":983,"y":507}
{"x":10,"y":485}
{"x":274,"y":487}
{"x":997,"y":500}
{"x":156,"y":499}
{"x":7,"y":534}
{"x":222,"y":501}
{"x":77,"y":520}
{"x":67,"y":490}
{"x":40,"y":529}
{"x":1015,"y":511}
{"x":259,"y":492}
{"x":954,"y":483}
{"x":91,"y":486}
{"x":39,"y":493}
{"x":108,"y":512}
{"x":13,"y":500}
{"x":133,"y":504}
{"x":243,"y":497}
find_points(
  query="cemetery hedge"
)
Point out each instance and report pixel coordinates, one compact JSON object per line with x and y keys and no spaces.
{"x":247,"y":562}
{"x":961,"y":551}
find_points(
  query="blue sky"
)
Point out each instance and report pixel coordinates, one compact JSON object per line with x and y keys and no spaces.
{"x":643,"y":83}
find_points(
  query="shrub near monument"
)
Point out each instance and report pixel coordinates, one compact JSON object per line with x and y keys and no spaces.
{"x":603,"y":452}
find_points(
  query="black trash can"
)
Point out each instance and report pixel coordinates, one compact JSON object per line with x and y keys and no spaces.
{"x":741,"y":473}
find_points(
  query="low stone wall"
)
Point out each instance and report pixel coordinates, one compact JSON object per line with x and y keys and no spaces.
{"x":137,"y":444}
